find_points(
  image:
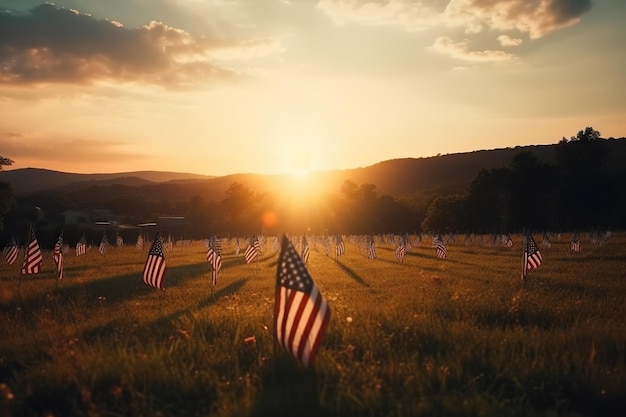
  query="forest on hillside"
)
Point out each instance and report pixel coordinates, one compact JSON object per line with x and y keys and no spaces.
{"x":577,"y":191}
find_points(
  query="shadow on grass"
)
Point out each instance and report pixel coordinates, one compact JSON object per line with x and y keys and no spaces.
{"x":352,"y":273}
{"x":287,"y":389}
{"x":159,"y":324}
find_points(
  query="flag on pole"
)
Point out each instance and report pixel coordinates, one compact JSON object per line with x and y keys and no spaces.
{"x":11,"y":251}
{"x":306,"y":250}
{"x":237,"y":246}
{"x":104,"y":243}
{"x":400,"y":252}
{"x":440,"y":249}
{"x":532,"y":255}
{"x":33,"y":258}
{"x":154,"y":270}
{"x":575,"y":244}
{"x":301,"y":314}
{"x":340,"y":247}
{"x":253,"y":251}
{"x":215,"y":260}
{"x":371,"y":247}
{"x":81,"y":246}
{"x":139,"y":244}
{"x":57,"y":255}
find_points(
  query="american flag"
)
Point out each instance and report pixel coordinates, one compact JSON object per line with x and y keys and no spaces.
{"x":104,"y":243}
{"x":33,"y":259}
{"x":119,"y":241}
{"x":237,"y":246}
{"x":139,"y":244}
{"x":215,"y":260}
{"x":301,"y":313}
{"x":532,"y":256}
{"x":154,"y":270}
{"x":11,"y":251}
{"x":57,"y":255}
{"x":371,"y":247}
{"x":575,"y":244}
{"x":306,"y":250}
{"x":400,"y":251}
{"x":81,"y":246}
{"x":340,"y":247}
{"x":253,"y":250}
{"x":440,"y":249}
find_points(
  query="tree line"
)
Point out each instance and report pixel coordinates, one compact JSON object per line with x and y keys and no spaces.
{"x":579,"y":190}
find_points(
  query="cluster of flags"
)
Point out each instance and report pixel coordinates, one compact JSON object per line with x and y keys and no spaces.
{"x":301,"y":314}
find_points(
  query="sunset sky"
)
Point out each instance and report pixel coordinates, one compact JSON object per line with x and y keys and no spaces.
{"x":218,"y":87}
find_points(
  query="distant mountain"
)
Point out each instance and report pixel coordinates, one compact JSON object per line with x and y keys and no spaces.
{"x":29,"y":180}
{"x":442,"y":174}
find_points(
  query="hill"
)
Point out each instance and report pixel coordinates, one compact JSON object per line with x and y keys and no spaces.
{"x":444,"y":174}
{"x":29,"y":180}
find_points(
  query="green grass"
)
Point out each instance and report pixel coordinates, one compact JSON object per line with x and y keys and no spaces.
{"x":459,"y":337}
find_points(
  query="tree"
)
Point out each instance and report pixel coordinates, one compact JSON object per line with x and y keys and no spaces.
{"x":5,"y":161}
{"x":6,"y":192}
{"x":587,"y":135}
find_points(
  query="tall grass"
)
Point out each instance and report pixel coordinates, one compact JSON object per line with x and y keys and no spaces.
{"x":462,"y":336}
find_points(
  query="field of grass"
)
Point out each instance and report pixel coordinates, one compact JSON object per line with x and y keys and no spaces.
{"x":456,"y":337}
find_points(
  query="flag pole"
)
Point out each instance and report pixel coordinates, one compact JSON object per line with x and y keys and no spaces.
{"x":19,"y":282}
{"x":524,"y":259}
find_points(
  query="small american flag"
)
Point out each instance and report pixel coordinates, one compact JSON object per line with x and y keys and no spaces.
{"x":575,"y":244}
{"x":340,"y":247}
{"x":154,"y":270}
{"x":81,"y":246}
{"x":532,"y":255}
{"x":253,"y":250}
{"x":301,"y":313}
{"x":306,"y":250}
{"x":33,"y":259}
{"x":57,"y":255}
{"x":215,"y":260}
{"x":440,"y":249}
{"x":104,"y":243}
{"x":371,"y":247}
{"x":11,"y":251}
{"x":400,"y":252}
{"x":139,"y":244}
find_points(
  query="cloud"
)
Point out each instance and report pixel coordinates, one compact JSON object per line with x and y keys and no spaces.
{"x":506,"y":40}
{"x":460,"y":50}
{"x":55,"y":45}
{"x":26,"y":146}
{"x":533,"y":18}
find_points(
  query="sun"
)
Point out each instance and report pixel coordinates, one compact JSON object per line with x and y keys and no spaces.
{"x":297,"y":161}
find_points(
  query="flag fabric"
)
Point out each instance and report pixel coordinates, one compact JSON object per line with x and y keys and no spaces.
{"x":306,"y":250}
{"x":104,"y":243}
{"x":81,"y":246}
{"x":575,"y":244}
{"x":440,"y":249}
{"x":119,"y":241}
{"x":57,"y":255}
{"x":532,"y":255}
{"x":237,"y":246}
{"x":154,"y":270}
{"x":215,"y":260}
{"x":371,"y":247}
{"x":253,"y":250}
{"x":139,"y":244}
{"x":340,"y":246}
{"x":400,"y":252}
{"x":301,"y":314}
{"x":11,"y":251}
{"x":34,"y":259}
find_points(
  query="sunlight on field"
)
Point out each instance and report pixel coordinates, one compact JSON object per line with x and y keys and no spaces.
{"x":461,"y":336}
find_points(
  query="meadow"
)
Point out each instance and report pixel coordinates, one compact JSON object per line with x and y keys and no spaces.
{"x":462,"y":336}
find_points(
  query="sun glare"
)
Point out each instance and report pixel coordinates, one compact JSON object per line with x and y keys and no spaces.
{"x":297,"y":161}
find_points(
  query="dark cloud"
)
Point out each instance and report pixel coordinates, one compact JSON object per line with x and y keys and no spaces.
{"x":55,"y":45}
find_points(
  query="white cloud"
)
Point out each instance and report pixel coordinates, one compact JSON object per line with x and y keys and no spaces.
{"x":460,"y":50}
{"x":506,"y":40}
